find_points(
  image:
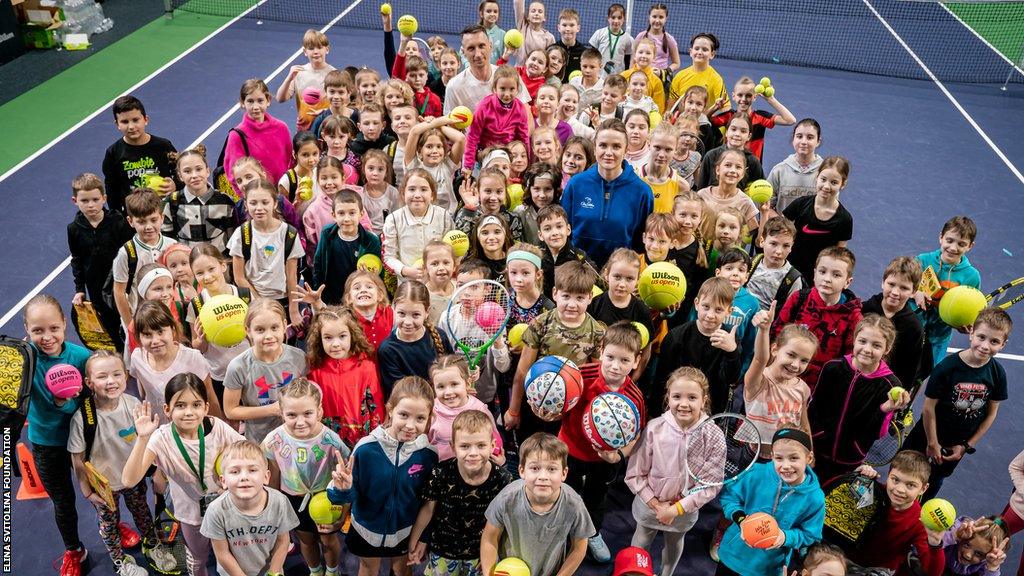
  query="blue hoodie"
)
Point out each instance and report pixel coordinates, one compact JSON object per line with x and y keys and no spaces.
{"x":607,"y":215}
{"x":387,"y":479}
{"x":959,"y":274}
{"x":799,"y":510}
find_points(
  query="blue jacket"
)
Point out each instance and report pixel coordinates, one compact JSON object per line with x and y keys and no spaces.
{"x":960,"y":274}
{"x":607,"y":215}
{"x":50,"y":424}
{"x":387,"y":478}
{"x":799,"y":510}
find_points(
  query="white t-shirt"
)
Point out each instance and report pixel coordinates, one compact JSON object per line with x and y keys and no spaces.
{"x":152,"y":382}
{"x":265,"y":270}
{"x":466,"y":90}
{"x":115,"y":437}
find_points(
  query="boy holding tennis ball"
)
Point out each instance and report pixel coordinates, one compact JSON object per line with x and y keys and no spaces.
{"x":787,"y":490}
{"x":744,"y":93}
{"x":135,"y":155}
{"x":341,"y":245}
{"x":537,"y":518}
{"x":945,"y":268}
{"x":962,"y":398}
{"x":315,"y":47}
{"x":900,"y":529}
{"x":249,"y":523}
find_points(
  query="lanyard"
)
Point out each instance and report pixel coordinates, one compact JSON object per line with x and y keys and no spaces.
{"x":188,"y":460}
{"x":615,"y":44}
{"x":426,"y":100}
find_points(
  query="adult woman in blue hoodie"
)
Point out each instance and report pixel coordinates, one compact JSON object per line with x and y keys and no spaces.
{"x":608,"y":203}
{"x":784,"y":488}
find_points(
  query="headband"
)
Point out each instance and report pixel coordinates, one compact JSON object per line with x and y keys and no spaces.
{"x":524,"y":256}
{"x":490,"y":219}
{"x":494,"y":155}
{"x":792,"y":434}
{"x":176,"y":247}
{"x":149,"y":278}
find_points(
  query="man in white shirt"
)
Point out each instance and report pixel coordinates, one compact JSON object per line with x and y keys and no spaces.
{"x":473,"y":84}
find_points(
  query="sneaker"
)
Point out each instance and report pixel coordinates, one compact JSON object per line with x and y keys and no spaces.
{"x":128,"y":567}
{"x":161,"y":557}
{"x":129,"y":538}
{"x":72,"y":562}
{"x":317,"y":571}
{"x":716,"y":541}
{"x":599,"y":550}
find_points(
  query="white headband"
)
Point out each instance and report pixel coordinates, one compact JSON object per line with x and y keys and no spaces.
{"x":494,"y":155}
{"x":151,"y":277}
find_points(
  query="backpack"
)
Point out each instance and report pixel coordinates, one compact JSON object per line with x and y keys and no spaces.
{"x":293,"y":184}
{"x":174,"y":201}
{"x":18,"y":362}
{"x":133,"y":264}
{"x":289,"y":240}
{"x":220,"y":178}
{"x":784,"y":287}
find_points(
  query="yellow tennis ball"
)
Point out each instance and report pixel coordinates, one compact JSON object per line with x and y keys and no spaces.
{"x":769,"y":92}
{"x":463,"y":117}
{"x":218,"y":469}
{"x":766,"y":82}
{"x":511,"y":567}
{"x":371,"y":262}
{"x":662,"y":285}
{"x":385,"y":9}
{"x":654,"y":118}
{"x":895,"y":393}
{"x":515,"y":195}
{"x":645,"y":335}
{"x":760,"y":191}
{"x":223,"y":320}
{"x":960,"y":306}
{"x":408,"y":25}
{"x":513,"y":39}
{"x":596,"y":291}
{"x":574,"y":74}
{"x":938,"y":514}
{"x":459,"y":242}
{"x":759,"y":89}
{"x":322,"y":511}
{"x":515,"y":334}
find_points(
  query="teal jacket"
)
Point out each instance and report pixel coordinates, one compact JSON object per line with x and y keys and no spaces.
{"x":332,"y":263}
{"x":49,"y":424}
{"x":961,"y":274}
{"x":799,"y":510}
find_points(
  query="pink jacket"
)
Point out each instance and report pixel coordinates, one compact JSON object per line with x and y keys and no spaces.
{"x":657,"y":466}
{"x":1017,"y":476}
{"x":493,"y":124}
{"x":320,"y":213}
{"x":270,"y":142}
{"x":440,"y":434}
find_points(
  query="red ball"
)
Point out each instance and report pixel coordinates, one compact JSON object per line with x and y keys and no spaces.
{"x":759,"y":530}
{"x":312,"y":95}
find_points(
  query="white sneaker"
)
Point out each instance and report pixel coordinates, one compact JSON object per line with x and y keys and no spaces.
{"x":128,"y":567}
{"x":599,"y":550}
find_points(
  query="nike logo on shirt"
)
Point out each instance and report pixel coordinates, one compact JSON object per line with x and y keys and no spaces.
{"x":809,"y":230}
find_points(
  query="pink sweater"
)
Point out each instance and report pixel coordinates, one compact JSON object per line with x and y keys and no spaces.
{"x":270,"y":142}
{"x":493,"y":124}
{"x":657,"y":466}
{"x":440,"y":434}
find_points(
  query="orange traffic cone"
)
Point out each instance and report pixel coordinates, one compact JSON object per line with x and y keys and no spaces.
{"x":31,"y":486}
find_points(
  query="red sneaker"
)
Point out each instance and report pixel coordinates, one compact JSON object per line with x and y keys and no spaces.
{"x":129,"y":538}
{"x":72,"y":563}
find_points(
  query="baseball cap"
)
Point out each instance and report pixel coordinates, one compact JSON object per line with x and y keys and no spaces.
{"x":633,"y":560}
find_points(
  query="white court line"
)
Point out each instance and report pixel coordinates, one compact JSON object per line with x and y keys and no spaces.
{"x":982,"y":38}
{"x":946,"y":92}
{"x":1001,"y":356}
{"x":231,"y":111}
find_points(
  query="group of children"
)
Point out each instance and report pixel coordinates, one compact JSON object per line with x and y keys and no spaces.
{"x":346,"y":387}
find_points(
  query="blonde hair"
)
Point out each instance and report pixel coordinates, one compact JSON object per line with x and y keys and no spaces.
{"x":315,"y":39}
{"x":624,"y":255}
{"x":880,"y":323}
{"x":315,"y":354}
{"x":411,"y":388}
{"x":662,"y":223}
{"x":507,"y":71}
{"x":98,"y":355}
{"x":693,"y":375}
{"x":438,"y":245}
{"x":382,"y":290}
{"x":86,"y":181}
{"x":397,"y":85}
{"x":300,"y":388}
{"x":450,"y":361}
{"x":698,"y":231}
{"x":260,"y":305}
{"x":792,"y":332}
{"x":472,"y":421}
{"x":246,"y":450}
{"x":718,"y":289}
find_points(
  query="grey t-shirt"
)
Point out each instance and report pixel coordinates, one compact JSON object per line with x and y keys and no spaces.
{"x":540,"y":540}
{"x":115,"y":436}
{"x":250,"y":538}
{"x":765,"y":281}
{"x":260,"y":384}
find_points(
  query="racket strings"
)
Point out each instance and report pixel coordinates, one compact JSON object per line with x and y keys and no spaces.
{"x":477,"y":312}
{"x":724,"y":448}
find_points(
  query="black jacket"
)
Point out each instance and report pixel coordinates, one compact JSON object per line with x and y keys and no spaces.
{"x":93,"y":250}
{"x":905,"y":358}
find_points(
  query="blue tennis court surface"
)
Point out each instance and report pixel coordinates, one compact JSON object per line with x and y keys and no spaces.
{"x":916,"y":161}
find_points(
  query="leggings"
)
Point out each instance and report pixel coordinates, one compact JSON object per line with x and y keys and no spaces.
{"x":135,"y":501}
{"x":643,"y":537}
{"x":54,"y":466}
{"x":198,"y":548}
{"x":591,"y":480}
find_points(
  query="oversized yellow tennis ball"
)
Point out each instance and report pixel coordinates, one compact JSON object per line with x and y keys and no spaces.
{"x":408,"y":25}
{"x":385,"y":9}
{"x":769,"y":92}
{"x":662,"y":285}
{"x":515,"y":334}
{"x":515,"y":195}
{"x":223,"y":320}
{"x":645,"y":335}
{"x":895,"y":393}
{"x":766,"y":82}
{"x":760,"y":191}
{"x":654,"y":118}
{"x":938,"y":514}
{"x":371,"y":262}
{"x":596,"y":291}
{"x":418,"y":263}
{"x":463,"y":117}
{"x":513,"y":39}
{"x":322,"y":511}
{"x":574,"y":75}
{"x":459,"y":242}
{"x":511,"y":567}
{"x":960,"y":306}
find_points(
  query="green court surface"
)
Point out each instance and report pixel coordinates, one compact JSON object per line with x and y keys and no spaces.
{"x":46,"y":111}
{"x":1000,"y":23}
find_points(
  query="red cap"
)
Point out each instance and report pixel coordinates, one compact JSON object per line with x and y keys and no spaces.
{"x":633,"y":560}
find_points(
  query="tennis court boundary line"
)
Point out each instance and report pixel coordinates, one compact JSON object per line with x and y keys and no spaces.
{"x":942,"y":87}
{"x":231,"y":111}
{"x":982,"y":39}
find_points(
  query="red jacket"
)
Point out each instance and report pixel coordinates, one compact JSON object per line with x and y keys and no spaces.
{"x":427,"y":103}
{"x":353,"y":400}
{"x":833,"y":325}
{"x":891,"y":539}
{"x":572,"y":423}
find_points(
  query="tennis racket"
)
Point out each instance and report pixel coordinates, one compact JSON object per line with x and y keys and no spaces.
{"x":884,"y":449}
{"x":851,"y":503}
{"x":476,"y":316}
{"x":720,"y":450}
{"x":1007,"y":295}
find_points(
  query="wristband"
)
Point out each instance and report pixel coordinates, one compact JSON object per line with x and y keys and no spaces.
{"x":679,"y":508}
{"x":738,"y":516}
{"x":275,"y":574}
{"x":513,"y":413}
